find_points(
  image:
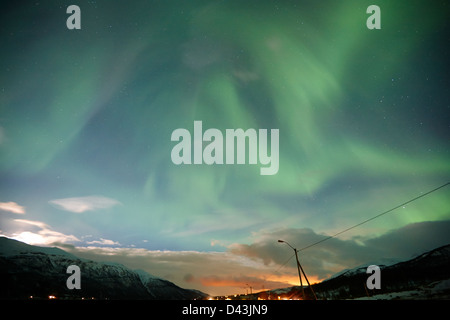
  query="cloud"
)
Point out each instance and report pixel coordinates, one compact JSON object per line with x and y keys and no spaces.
{"x":333,"y":255}
{"x":413,"y":239}
{"x":211,"y":272}
{"x":322,"y":261}
{"x":103,"y":242}
{"x":266,"y":264}
{"x":39,"y":233}
{"x":82,"y":204}
{"x":12,"y":207}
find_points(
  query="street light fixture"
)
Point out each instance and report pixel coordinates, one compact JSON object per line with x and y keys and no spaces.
{"x":299,"y":268}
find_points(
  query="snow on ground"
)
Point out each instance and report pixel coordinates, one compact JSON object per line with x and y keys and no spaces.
{"x":439,"y":290}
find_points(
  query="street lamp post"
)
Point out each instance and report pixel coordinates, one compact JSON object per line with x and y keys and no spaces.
{"x":299,"y":268}
{"x":249,"y":287}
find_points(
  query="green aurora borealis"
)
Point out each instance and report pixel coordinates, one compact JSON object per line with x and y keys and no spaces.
{"x":87,"y":115}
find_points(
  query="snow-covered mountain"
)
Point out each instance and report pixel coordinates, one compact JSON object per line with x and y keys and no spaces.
{"x":424,"y":277}
{"x":39,"y":272}
{"x":427,"y":276}
{"x":382,"y":263}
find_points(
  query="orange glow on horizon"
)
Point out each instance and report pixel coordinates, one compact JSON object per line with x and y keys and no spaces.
{"x":259,"y":283}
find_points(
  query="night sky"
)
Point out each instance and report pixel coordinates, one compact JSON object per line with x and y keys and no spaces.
{"x":86,"y":118}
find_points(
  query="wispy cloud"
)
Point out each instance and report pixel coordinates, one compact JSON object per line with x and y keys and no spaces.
{"x":12,"y":207}
{"x":102,"y":241}
{"x":39,"y":233}
{"x":82,"y":204}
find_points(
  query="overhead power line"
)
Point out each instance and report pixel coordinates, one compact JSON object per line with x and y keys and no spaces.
{"x":285,"y":263}
{"x":374,"y":217}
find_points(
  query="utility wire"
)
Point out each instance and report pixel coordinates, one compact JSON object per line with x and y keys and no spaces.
{"x":285,"y":263}
{"x":374,"y":217}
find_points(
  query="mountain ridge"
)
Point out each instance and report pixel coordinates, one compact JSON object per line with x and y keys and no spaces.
{"x":418,"y":275}
{"x":40,"y":272}
{"x":425,"y":276}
